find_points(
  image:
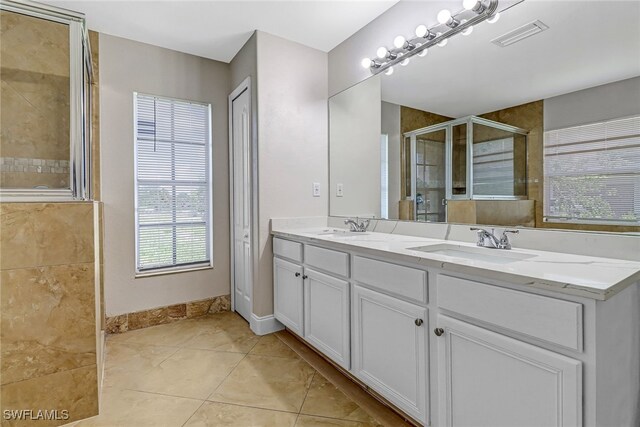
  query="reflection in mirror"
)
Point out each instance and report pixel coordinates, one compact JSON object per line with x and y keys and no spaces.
{"x":538,"y":133}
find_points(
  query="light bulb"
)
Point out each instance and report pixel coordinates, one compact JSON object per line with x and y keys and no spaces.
{"x":382,"y":52}
{"x":444,"y":16}
{"x":389,"y":71}
{"x":399,"y":42}
{"x":366,"y":63}
{"x":405,"y":62}
{"x":467,"y":31}
{"x":423,"y":53}
{"x":494,"y":18}
{"x":421,"y":30}
{"x":469,"y":4}
{"x":444,"y":42}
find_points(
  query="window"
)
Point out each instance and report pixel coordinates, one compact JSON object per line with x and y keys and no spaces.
{"x":592,"y":173}
{"x":493,"y":173}
{"x":173,"y":183}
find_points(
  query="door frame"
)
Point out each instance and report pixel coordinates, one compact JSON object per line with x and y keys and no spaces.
{"x":253,"y":155}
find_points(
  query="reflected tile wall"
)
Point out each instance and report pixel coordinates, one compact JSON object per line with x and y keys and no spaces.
{"x":35,"y":96}
{"x":47,"y":305}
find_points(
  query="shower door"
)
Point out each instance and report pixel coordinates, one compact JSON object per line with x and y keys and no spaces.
{"x":429,"y":176}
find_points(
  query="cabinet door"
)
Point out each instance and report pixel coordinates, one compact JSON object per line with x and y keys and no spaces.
{"x":288,"y":291}
{"x":390,"y":349}
{"x":489,"y":380}
{"x":326,"y":315}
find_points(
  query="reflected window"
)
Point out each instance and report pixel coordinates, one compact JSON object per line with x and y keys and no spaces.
{"x":592,"y":173}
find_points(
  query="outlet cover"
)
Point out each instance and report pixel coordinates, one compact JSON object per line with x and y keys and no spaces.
{"x":316,"y":189}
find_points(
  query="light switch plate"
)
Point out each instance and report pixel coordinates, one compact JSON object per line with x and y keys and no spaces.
{"x":316,"y":189}
{"x":339,"y":190}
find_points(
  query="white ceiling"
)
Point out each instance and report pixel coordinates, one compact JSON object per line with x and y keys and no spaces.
{"x":218,"y":29}
{"x":589,"y":43}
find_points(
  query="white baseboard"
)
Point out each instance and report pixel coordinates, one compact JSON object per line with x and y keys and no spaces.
{"x":264,"y":325}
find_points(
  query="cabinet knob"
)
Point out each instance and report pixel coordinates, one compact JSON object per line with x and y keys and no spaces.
{"x":438,"y":331}
{"x":419,"y":322}
{"x":304,"y":277}
{"x":297,"y":274}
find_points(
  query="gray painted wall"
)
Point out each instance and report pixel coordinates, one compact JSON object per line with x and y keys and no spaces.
{"x":354,"y":131}
{"x":292,"y":144}
{"x":610,"y":101}
{"x":126,"y":67}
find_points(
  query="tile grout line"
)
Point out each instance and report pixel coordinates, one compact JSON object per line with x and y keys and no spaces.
{"x":194,"y":412}
{"x":253,"y":407}
{"x":231,"y":371}
{"x":313,"y":377}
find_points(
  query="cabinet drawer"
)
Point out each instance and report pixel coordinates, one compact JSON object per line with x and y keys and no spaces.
{"x":327,"y":260}
{"x":404,"y":281}
{"x":548,"y":319}
{"x":287,"y":249}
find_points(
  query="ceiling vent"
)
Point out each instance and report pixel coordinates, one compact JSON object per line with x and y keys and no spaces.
{"x":521,"y":33}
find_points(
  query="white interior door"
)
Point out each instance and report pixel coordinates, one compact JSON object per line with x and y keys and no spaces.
{"x":241,"y":189}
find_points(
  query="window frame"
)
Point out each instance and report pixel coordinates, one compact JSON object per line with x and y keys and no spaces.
{"x":141,"y":273}
{"x":578,"y":221}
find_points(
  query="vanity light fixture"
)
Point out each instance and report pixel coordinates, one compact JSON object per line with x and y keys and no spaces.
{"x":449,"y":24}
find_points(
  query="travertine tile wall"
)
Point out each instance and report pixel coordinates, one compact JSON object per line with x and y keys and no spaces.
{"x":48,"y":310}
{"x":35,"y":101}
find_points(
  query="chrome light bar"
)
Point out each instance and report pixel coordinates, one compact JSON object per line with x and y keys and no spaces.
{"x":449,"y":25}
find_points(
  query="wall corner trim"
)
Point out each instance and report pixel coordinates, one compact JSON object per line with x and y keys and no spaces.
{"x":265,"y":325}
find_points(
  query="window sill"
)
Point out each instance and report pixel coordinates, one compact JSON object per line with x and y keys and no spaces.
{"x":175,"y":270}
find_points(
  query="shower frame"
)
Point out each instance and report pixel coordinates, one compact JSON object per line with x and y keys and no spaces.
{"x":80,"y":80}
{"x":469,"y":121}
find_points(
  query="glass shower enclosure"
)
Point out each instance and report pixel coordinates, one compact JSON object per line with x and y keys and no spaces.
{"x":45,"y":121}
{"x":464,"y":159}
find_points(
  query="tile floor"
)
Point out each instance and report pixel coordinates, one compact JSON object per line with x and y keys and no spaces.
{"x":213,"y":371}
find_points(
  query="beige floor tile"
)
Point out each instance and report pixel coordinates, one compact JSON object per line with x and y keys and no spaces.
{"x":309,"y":421}
{"x":137,"y":409}
{"x":267,"y":382}
{"x":213,"y":414}
{"x":235,"y":338}
{"x":270,"y":345}
{"x":127,"y":364}
{"x":189,"y":373}
{"x":173,"y":334}
{"x":325,"y":400}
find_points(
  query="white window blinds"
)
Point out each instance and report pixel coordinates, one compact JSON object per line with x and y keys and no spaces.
{"x":173,"y":169}
{"x":592,"y":172}
{"x":493,"y":173}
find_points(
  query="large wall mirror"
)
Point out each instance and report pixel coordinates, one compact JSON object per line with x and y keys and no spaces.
{"x":541,"y":131}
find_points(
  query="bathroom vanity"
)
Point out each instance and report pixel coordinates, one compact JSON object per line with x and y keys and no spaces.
{"x":456,"y":335}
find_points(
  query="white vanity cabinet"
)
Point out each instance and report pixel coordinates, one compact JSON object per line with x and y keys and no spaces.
{"x":451,"y":349}
{"x":326,"y":315}
{"x":490,"y":380}
{"x":390,"y":349}
{"x":288,"y":297}
{"x":312,"y":296}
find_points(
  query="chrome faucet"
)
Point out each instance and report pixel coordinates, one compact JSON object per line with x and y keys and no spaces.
{"x":488,"y":239}
{"x":356,"y":225}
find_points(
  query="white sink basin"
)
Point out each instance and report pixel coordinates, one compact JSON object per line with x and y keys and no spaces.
{"x":496,"y":256}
